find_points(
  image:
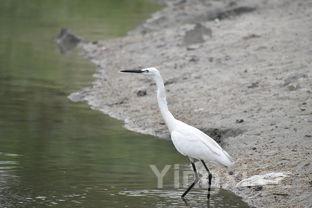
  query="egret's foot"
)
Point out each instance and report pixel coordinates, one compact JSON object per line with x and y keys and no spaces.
{"x":185,"y":201}
{"x":208,"y":203}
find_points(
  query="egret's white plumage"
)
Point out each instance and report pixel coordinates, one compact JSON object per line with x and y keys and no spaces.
{"x":188,"y":140}
{"x":193,"y":143}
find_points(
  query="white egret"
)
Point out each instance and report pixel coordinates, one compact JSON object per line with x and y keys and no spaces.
{"x":188,"y":140}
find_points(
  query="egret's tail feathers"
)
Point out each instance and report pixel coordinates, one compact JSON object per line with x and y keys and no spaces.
{"x":226,"y":159}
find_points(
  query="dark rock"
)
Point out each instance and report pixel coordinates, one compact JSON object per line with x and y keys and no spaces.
{"x":196,"y":35}
{"x":239,"y":120}
{"x":258,"y":188}
{"x":192,"y":47}
{"x":280,"y":194}
{"x":220,"y":15}
{"x":251,"y":36}
{"x":254,"y":148}
{"x":253,"y":85}
{"x":194,"y":59}
{"x":227,"y":57}
{"x":66,"y":41}
{"x":170,"y":81}
{"x":141,"y":93}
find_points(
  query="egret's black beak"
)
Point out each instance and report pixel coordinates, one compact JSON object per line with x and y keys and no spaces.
{"x":133,"y":71}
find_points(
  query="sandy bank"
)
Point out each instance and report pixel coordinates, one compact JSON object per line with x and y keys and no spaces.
{"x":241,"y":71}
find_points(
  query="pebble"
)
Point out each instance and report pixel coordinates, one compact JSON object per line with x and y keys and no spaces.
{"x":239,"y":120}
{"x":141,"y":93}
{"x":253,"y":85}
{"x":258,"y":188}
{"x":293,"y":87}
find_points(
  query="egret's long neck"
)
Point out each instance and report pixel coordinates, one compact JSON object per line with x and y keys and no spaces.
{"x":162,"y":102}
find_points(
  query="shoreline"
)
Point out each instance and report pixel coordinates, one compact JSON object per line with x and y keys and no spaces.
{"x":240,"y":71}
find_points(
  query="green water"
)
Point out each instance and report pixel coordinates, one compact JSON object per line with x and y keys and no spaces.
{"x":55,"y":153}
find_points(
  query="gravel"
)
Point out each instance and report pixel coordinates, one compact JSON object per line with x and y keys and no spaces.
{"x":242,"y":76}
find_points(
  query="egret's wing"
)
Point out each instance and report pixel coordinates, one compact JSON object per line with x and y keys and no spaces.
{"x":194,"y":143}
{"x":191,"y":139}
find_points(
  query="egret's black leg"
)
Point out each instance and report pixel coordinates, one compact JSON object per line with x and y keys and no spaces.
{"x":209,"y":179}
{"x":195,"y":181}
